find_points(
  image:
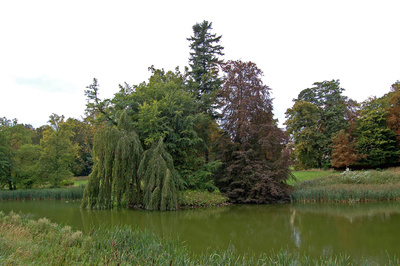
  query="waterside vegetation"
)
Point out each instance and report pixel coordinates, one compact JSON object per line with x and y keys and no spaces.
{"x":350,"y":186}
{"x":28,"y":241}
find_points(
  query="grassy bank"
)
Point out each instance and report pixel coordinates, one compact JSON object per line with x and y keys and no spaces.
{"x":25,"y":242}
{"x":309,"y":175}
{"x":349,"y":186}
{"x":195,"y":199}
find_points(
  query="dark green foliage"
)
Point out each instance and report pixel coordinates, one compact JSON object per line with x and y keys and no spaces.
{"x":375,"y":141}
{"x":12,"y":137}
{"x":302,"y":125}
{"x":327,"y":112}
{"x":160,"y":178}
{"x":83,"y":138}
{"x":97,"y":111}
{"x":204,"y":62}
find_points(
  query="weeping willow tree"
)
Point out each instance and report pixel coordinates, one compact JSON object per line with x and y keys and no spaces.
{"x":161,"y":179}
{"x":117,"y":152}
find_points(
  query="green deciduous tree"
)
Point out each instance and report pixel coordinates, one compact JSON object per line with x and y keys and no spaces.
{"x":160,"y":178}
{"x":114,"y":181}
{"x":375,"y":141}
{"x":12,"y":137}
{"x":333,"y":113}
{"x":164,"y":107}
{"x":58,"y":151}
{"x":303,"y":125}
{"x":121,"y":174}
{"x":27,"y":165}
{"x":83,"y":138}
{"x":253,"y":152}
{"x":393,"y":110}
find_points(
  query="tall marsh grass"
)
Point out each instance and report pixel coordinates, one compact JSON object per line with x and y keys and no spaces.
{"x":350,"y":186}
{"x":25,"y":242}
{"x":41,"y":194}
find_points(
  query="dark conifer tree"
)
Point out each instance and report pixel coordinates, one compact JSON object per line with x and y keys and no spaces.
{"x":204,"y":62}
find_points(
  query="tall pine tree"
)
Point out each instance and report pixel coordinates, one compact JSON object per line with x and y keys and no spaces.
{"x":203,"y":62}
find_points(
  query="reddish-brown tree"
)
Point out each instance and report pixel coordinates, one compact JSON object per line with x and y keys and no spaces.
{"x":344,"y":153}
{"x":254,"y":155}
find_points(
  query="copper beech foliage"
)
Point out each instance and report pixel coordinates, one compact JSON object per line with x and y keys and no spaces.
{"x":253,"y":150}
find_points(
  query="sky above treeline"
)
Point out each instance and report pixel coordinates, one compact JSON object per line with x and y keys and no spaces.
{"x":51,"y":50}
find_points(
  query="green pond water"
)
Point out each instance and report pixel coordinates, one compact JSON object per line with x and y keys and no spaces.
{"x":368,"y":231}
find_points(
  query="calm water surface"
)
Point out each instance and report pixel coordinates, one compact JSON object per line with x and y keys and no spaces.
{"x":370,"y":230}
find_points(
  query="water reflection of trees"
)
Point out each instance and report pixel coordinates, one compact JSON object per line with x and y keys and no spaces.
{"x":351,"y":211}
{"x":360,"y":230}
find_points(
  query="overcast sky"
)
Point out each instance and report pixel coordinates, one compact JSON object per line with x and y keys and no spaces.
{"x":51,"y":50}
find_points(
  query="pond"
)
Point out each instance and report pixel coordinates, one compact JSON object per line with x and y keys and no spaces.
{"x":370,"y":230}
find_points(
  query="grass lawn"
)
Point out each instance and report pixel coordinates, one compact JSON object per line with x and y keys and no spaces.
{"x":309,"y":174}
{"x":80,"y":180}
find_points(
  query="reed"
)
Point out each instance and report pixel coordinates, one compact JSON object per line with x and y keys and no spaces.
{"x":26,"y":241}
{"x":349,"y":186}
{"x":72,"y":193}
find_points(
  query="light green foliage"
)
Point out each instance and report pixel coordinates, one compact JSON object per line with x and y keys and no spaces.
{"x":58,"y":152}
{"x":163,"y":107}
{"x":27,"y":165}
{"x":167,"y":110}
{"x":302,"y":125}
{"x":12,"y":137}
{"x":4,"y":157}
{"x":375,"y":141}
{"x":160,"y":178}
{"x":117,"y":152}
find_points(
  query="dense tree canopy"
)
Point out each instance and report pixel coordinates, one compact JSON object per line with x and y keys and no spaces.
{"x":327,"y":112}
{"x":393,"y":110}
{"x":344,"y":151}
{"x":13,"y":136}
{"x":375,"y":141}
{"x":57,"y":151}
